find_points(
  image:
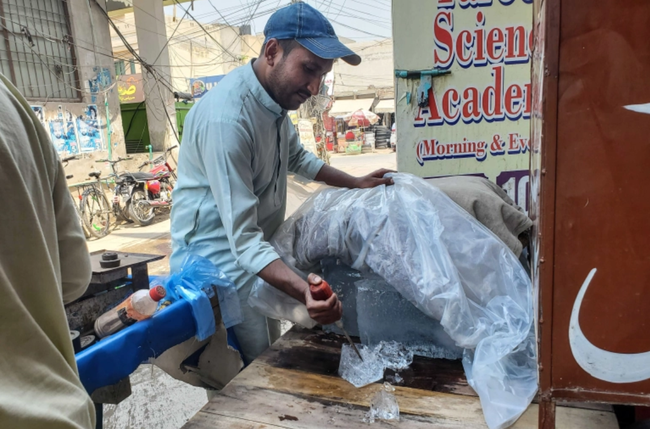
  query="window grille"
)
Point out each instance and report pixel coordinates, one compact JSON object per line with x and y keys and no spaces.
{"x":37,"y":49}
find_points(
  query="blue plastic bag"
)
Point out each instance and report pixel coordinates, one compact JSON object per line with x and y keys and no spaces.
{"x":199,"y":276}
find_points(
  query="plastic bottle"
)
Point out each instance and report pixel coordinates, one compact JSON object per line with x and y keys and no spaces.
{"x":139,"y":306}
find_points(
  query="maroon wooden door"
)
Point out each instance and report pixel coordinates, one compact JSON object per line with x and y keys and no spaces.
{"x":590,"y":198}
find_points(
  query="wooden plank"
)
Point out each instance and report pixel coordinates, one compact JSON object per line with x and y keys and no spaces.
{"x":203,"y":420}
{"x":295,"y":385}
{"x":267,"y":407}
{"x":256,"y":407}
{"x":444,"y":408}
{"x":448,"y":408}
{"x":318,"y":352}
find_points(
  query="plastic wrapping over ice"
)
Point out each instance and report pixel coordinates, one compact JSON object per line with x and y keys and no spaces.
{"x":376,"y":359}
{"x":445,"y":263}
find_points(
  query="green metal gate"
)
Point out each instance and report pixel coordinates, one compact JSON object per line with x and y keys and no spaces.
{"x":136,"y":128}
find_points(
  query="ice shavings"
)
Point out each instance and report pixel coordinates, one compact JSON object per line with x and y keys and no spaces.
{"x":383,"y":405}
{"x":360,"y":373}
{"x":375,"y":360}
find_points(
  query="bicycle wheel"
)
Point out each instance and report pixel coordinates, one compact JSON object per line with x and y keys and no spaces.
{"x":77,"y":210}
{"x":140,"y":213}
{"x":96,"y":212}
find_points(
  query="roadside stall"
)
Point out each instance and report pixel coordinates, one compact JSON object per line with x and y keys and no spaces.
{"x":350,"y":138}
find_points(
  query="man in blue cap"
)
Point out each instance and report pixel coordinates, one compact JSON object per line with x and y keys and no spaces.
{"x":238,"y":145}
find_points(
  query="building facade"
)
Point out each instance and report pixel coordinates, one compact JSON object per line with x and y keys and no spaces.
{"x":58,"y":54}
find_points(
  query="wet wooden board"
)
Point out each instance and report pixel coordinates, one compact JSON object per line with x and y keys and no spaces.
{"x":318,"y":353}
{"x":294,"y":384}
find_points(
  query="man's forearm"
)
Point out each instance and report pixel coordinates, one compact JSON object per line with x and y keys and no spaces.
{"x":280,"y":276}
{"x":335,"y":177}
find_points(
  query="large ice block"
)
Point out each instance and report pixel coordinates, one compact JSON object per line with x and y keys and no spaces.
{"x":384,"y":315}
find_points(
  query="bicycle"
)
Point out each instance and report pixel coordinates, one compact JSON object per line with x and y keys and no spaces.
{"x":76,"y":203}
{"x":93,"y":208}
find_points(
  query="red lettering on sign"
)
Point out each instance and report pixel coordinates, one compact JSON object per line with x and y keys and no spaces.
{"x":471,"y":107}
{"x":513,"y":101}
{"x":495,"y":102}
{"x":479,"y":52}
{"x":434,"y":112}
{"x":492,"y":96}
{"x":516,"y":45}
{"x":464,"y":41}
{"x":442,"y":28}
{"x":450,"y":102}
{"x":510,"y":44}
{"x":495,"y":45}
{"x":517,"y":144}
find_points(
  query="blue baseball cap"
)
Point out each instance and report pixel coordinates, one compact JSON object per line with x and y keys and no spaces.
{"x":311,"y":29}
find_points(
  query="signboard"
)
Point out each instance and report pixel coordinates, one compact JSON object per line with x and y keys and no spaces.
{"x":293,"y":115}
{"x":200,"y":86}
{"x":130,"y":88}
{"x":327,"y":88}
{"x":474,"y":120}
{"x":306,"y":133}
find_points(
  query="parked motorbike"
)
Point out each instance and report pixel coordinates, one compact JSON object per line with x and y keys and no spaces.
{"x":153,"y":189}
{"x":124,"y":185}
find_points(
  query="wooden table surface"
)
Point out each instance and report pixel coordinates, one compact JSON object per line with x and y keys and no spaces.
{"x":295,"y":384}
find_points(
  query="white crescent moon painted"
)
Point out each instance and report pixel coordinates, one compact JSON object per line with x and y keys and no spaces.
{"x":641,"y":108}
{"x":601,"y":364}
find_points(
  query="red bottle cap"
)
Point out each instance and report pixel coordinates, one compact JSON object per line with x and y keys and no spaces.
{"x":157,"y":293}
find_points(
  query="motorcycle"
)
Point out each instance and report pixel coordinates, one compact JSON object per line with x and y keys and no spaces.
{"x":124,"y":183}
{"x":153,"y":189}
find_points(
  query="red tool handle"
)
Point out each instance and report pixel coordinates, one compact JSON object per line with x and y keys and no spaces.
{"x":320,"y":292}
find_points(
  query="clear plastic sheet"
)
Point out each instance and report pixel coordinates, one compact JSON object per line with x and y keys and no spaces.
{"x":441,"y":259}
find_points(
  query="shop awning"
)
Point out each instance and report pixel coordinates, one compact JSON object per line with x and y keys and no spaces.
{"x":343,"y":107}
{"x":385,"y":106}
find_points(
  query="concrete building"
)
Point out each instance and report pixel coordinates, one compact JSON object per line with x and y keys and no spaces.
{"x":58,"y":54}
{"x":193,"y":53}
{"x":368,"y":86}
{"x":188,"y":57}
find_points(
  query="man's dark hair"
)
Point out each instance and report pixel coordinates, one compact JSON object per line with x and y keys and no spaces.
{"x":286,"y":45}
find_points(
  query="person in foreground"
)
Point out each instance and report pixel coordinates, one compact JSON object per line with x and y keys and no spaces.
{"x":44,"y":263}
{"x":238,"y":145}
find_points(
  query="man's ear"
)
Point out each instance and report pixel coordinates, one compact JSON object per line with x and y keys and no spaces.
{"x":272,"y":52}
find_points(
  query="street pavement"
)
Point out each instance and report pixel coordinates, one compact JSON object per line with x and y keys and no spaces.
{"x":157,"y":400}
